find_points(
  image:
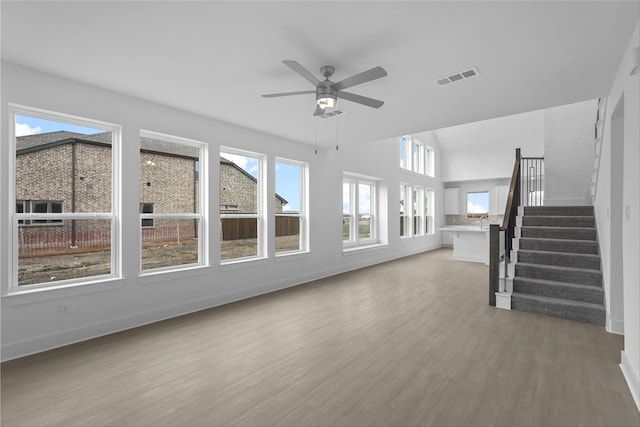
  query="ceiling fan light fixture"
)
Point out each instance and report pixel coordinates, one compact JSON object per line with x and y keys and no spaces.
{"x":326,"y":101}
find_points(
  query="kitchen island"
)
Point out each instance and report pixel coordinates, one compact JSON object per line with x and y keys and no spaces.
{"x":470,"y":243}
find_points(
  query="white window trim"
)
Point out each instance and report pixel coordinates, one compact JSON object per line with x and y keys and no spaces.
{"x":355,"y":241}
{"x":261,"y":189}
{"x":423,"y":168}
{"x":304,"y":207}
{"x":12,"y":287}
{"x":201,"y":216}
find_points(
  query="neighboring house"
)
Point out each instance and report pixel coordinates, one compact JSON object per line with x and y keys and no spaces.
{"x":77,"y":178}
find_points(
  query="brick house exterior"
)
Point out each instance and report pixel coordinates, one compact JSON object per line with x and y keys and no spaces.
{"x":77,"y":178}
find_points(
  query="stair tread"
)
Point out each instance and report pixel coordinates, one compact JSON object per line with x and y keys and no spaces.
{"x":559,"y":268}
{"x":573,"y":303}
{"x":557,"y":283}
{"x":559,"y":240}
{"x":557,"y":227}
{"x":594,"y":256}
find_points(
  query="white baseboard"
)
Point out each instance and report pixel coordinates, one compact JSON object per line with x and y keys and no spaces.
{"x":503,"y":300}
{"x":631,"y":376}
{"x":614,"y":326}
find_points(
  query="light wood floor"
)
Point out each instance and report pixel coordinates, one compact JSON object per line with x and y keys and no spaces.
{"x":409,"y":342}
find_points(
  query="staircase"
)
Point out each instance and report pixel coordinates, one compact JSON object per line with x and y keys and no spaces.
{"x":557,"y":269}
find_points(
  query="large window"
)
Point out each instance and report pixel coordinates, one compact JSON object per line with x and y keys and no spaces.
{"x":405,"y":223}
{"x":416,"y":156}
{"x":65,"y":191}
{"x":416,"y":211}
{"x":171,"y":215}
{"x":241,"y":205}
{"x":290,"y":211}
{"x":429,"y":207}
{"x":359,"y":206}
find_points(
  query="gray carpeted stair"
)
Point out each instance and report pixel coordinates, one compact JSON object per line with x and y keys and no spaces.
{"x":558,"y":268}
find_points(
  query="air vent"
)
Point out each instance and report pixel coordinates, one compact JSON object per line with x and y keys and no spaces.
{"x":333,"y":112}
{"x":463,"y":75}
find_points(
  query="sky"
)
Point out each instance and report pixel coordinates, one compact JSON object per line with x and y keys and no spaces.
{"x":287,"y":174}
{"x":26,"y":125}
{"x":478,"y":202}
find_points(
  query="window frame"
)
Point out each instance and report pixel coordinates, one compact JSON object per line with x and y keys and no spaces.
{"x":13,"y":288}
{"x":200,"y":216}
{"x":261,"y":222}
{"x":354,"y":182}
{"x":478,"y":214}
{"x":416,"y":157}
{"x":303,"y":214}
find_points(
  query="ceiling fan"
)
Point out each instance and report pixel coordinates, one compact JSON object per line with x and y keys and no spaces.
{"x":328,"y":92}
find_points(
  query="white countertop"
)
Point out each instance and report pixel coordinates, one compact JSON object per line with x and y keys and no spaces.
{"x":464,"y":228}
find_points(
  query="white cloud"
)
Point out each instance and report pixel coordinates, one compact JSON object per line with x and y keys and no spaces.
{"x":23,"y":129}
{"x":475,"y":208}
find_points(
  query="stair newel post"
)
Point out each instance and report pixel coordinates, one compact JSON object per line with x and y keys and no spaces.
{"x":494,"y":263}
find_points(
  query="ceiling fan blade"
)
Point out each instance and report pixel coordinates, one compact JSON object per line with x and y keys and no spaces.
{"x":365,"y":76}
{"x":369,"y":102}
{"x":274,"y":95}
{"x":302,"y":71}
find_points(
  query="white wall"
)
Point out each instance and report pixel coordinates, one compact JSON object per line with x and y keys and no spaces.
{"x":30,"y":322}
{"x":568,"y":153}
{"x":611,"y":209}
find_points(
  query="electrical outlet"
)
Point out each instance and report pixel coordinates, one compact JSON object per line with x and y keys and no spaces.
{"x":64,"y":309}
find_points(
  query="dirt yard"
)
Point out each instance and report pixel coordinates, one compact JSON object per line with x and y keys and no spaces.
{"x":51,"y":268}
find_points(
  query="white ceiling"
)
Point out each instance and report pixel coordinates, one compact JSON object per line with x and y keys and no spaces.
{"x":217,"y":58}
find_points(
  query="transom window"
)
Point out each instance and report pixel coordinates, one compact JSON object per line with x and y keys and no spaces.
{"x":416,"y":156}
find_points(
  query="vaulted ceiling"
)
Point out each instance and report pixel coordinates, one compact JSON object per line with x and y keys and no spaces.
{"x":216,"y":58}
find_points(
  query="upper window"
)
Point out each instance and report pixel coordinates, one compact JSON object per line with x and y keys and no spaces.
{"x":65,"y":192}
{"x":416,"y":156}
{"x":478,"y":204}
{"x":359,"y":207}
{"x":171,"y":216}
{"x":241,"y":205}
{"x":290,"y":211}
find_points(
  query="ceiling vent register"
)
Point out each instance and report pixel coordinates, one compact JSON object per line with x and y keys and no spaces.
{"x":463,"y":75}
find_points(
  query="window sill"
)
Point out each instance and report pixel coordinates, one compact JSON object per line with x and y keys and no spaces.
{"x":151,"y":277}
{"x":364,"y":248}
{"x":28,"y":296}
{"x":291,"y":256}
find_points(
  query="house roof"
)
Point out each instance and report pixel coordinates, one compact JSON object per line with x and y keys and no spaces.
{"x":41,"y":141}
{"x":29,"y":143}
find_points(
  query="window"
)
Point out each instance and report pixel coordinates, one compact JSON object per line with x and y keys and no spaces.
{"x":418,"y":211}
{"x":429,"y":225}
{"x":146,"y":208}
{"x":405,"y":224}
{"x":416,"y":156}
{"x":38,"y":206}
{"x":171,"y":216}
{"x":241,"y":187}
{"x":65,"y":215}
{"x":291,"y":224}
{"x":359,"y":206}
{"x":403,"y":152}
{"x":477,"y":204}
